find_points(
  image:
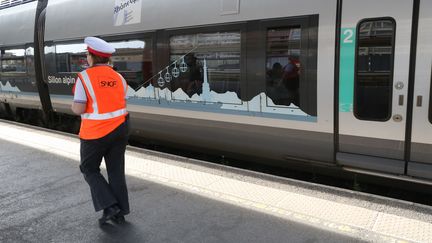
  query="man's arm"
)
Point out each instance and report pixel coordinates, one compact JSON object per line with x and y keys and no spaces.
{"x":78,"y":108}
{"x":79,"y":103}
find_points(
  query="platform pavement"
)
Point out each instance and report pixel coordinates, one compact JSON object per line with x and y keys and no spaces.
{"x":43,"y":198}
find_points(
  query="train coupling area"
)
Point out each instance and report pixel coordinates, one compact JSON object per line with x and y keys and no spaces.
{"x":44,"y":198}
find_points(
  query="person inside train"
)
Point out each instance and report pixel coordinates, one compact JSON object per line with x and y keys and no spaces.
{"x":274,"y":75}
{"x":195,"y":79}
{"x":291,"y":79}
{"x":99,"y":97}
{"x":276,"y":87}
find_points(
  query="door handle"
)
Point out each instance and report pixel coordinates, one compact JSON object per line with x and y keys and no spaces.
{"x":401,"y":100}
{"x":419,"y":101}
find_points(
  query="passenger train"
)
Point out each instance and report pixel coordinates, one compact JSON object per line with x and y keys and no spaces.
{"x":343,"y":84}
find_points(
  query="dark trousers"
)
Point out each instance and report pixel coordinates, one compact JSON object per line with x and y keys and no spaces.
{"x":112,"y":148}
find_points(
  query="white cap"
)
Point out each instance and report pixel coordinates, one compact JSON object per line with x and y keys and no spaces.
{"x":99,"y":47}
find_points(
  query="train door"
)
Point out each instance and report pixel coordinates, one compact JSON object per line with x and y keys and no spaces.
{"x":374,"y":81}
{"x":420,"y":164}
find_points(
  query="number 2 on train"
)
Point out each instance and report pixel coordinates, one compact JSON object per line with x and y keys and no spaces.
{"x":348,"y":36}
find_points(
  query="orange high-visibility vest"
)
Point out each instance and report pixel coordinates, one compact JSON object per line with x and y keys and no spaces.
{"x":106,"y":101}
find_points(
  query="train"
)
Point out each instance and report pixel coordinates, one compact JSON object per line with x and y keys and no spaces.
{"x":340,"y":84}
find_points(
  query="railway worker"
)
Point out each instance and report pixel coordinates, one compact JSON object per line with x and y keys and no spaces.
{"x":99,"y":97}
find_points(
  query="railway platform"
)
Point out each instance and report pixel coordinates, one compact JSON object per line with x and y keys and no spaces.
{"x":44,"y":198}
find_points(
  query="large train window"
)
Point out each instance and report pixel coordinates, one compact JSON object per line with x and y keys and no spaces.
{"x":374,"y":69}
{"x":62,"y":63}
{"x":13,"y":61}
{"x":283,"y":65}
{"x":205,"y":63}
{"x":29,"y":54}
{"x":71,"y":58}
{"x":134,"y":60}
{"x":289,"y":67}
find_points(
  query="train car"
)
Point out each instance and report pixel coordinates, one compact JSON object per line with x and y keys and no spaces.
{"x":344,"y":84}
{"x":17,"y":28}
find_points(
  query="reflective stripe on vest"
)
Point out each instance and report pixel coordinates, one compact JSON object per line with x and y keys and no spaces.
{"x":95,"y":115}
{"x":124,"y":83}
{"x":104,"y":116}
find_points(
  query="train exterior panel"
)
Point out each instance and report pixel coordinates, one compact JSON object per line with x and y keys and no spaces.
{"x":241,"y":98}
{"x":369,"y":118}
{"x":152,"y":16}
{"x":61,"y":13}
{"x":342,"y":82}
{"x":421,"y":146}
{"x":17,"y":51}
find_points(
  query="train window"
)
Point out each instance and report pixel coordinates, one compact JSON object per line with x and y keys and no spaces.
{"x":216,"y":53}
{"x":287,"y":60}
{"x":50,"y":59}
{"x":71,"y":58}
{"x":29,"y":53}
{"x":374,"y":69}
{"x":283,"y":65}
{"x":13,"y":61}
{"x":134,"y":60}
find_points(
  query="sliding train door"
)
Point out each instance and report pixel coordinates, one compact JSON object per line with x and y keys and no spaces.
{"x":373,"y":84}
{"x":420,"y":164}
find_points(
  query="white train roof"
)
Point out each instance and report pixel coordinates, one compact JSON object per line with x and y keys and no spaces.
{"x":17,"y":24}
{"x":71,"y":19}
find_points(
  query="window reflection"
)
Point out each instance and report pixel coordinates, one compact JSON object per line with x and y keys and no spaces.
{"x":283,"y":65}
{"x":376,"y":28}
{"x":13,"y":60}
{"x":50,"y":59}
{"x":134,"y":60}
{"x":71,"y":58}
{"x":14,"y":53}
{"x":71,"y":48}
{"x":373,"y":86}
{"x":221,"y":51}
{"x":49,"y":50}
{"x":29,"y":53}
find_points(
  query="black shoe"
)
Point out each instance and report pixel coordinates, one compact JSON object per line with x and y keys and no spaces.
{"x":118,"y":219}
{"x":108,"y":214}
